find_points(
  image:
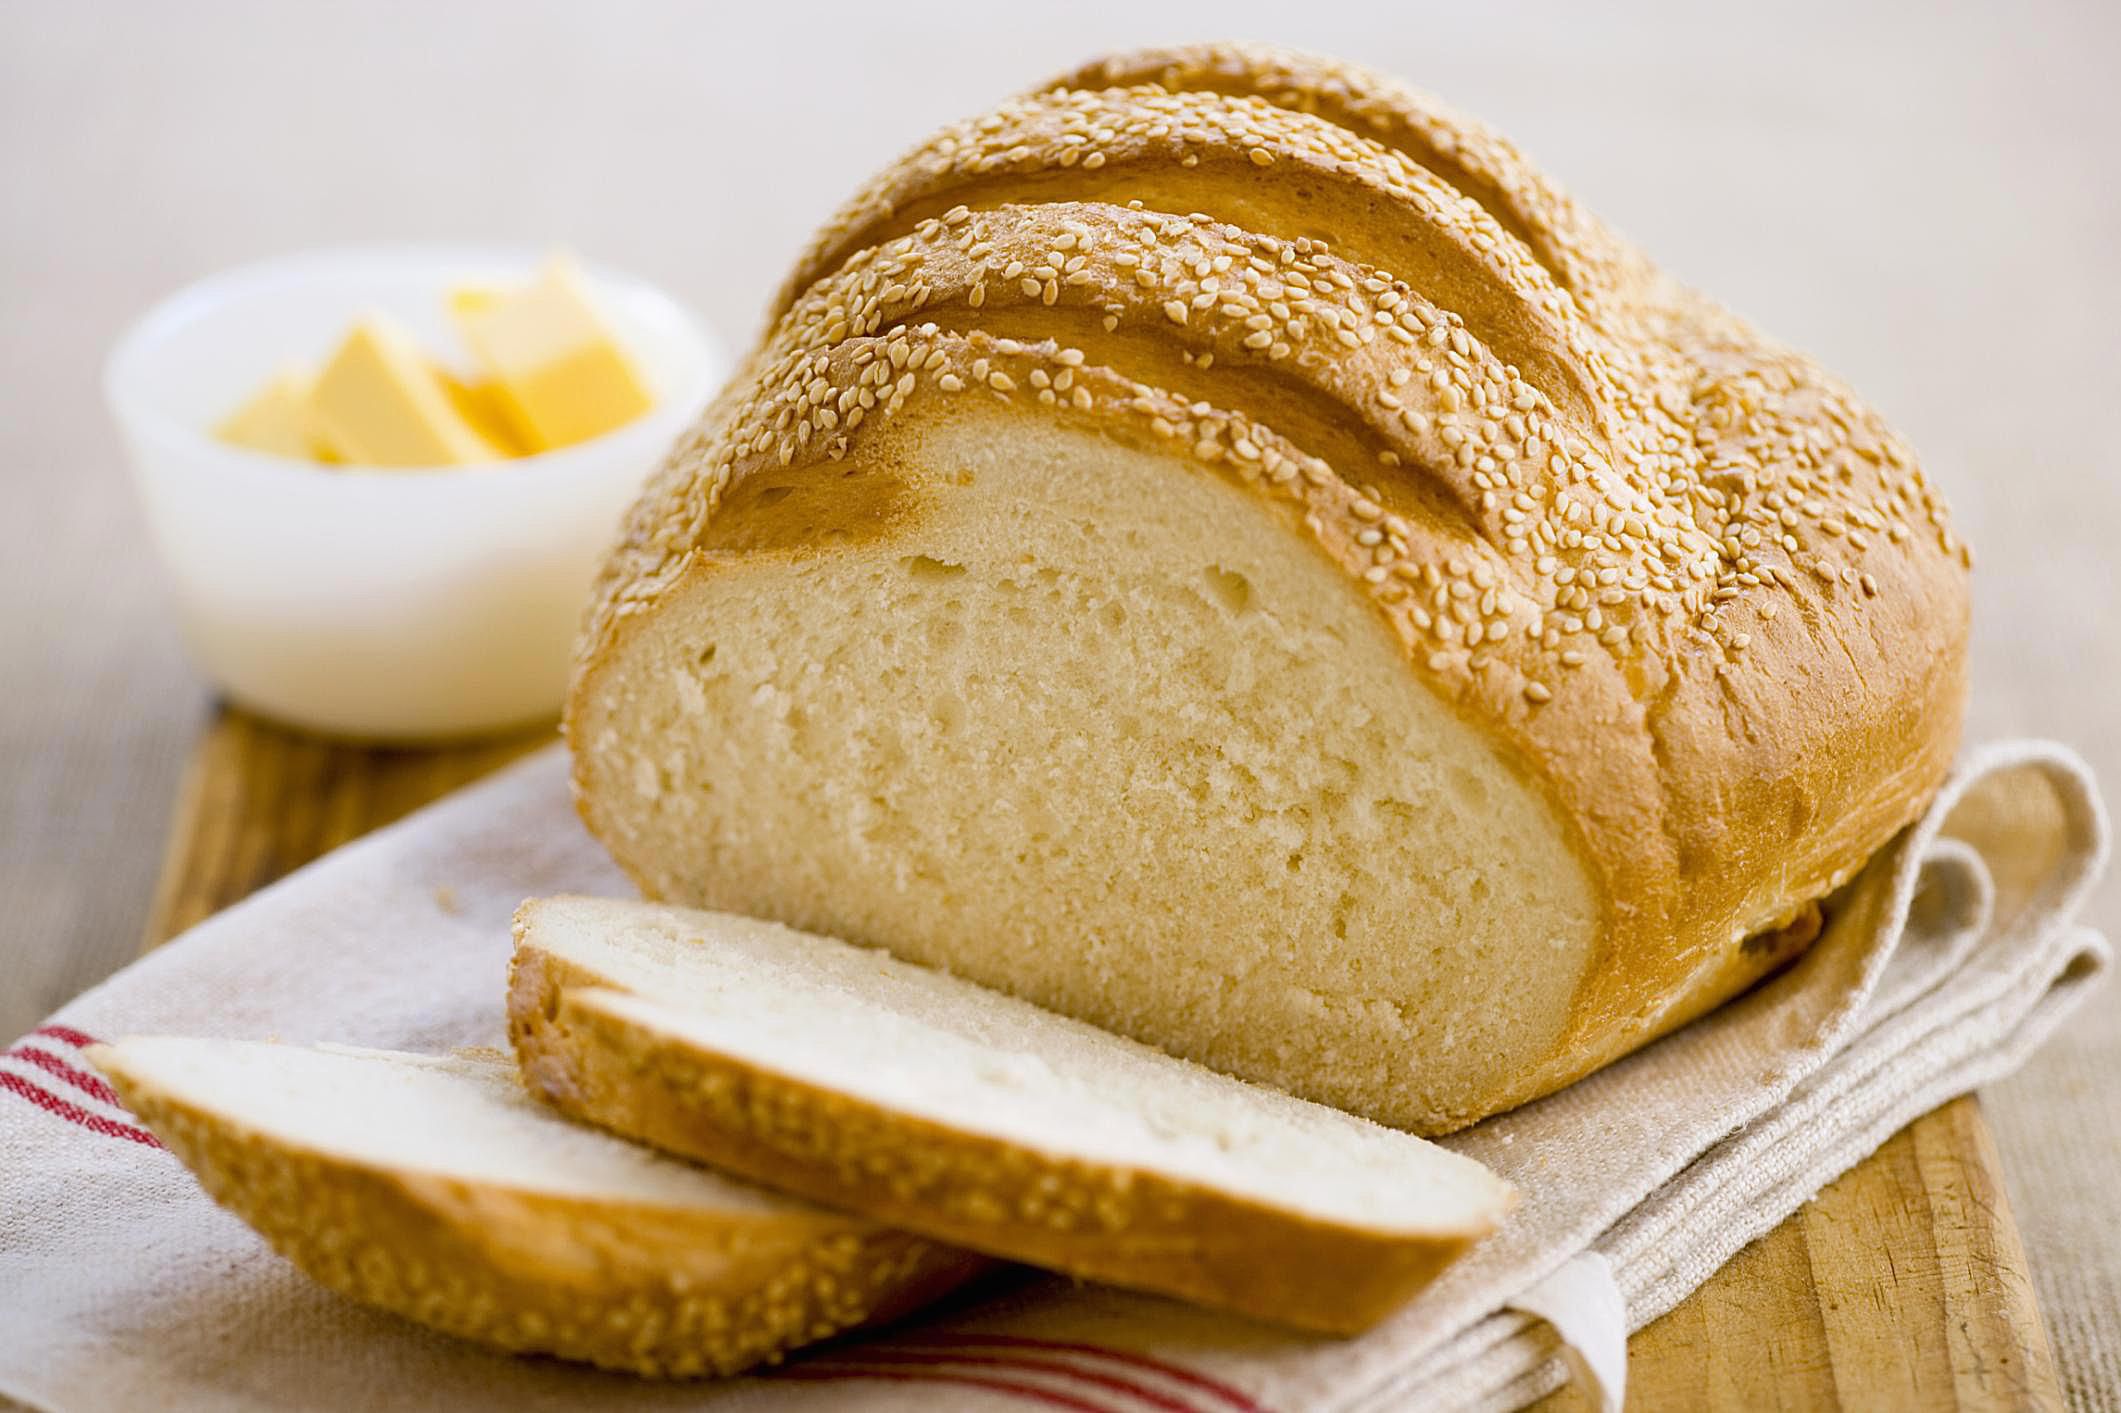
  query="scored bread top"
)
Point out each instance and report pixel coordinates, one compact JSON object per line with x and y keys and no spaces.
{"x":1473,"y":158}
{"x":1702,"y":594}
{"x":1324,"y":349}
{"x":1244,"y":160}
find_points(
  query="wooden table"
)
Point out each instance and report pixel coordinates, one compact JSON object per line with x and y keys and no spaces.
{"x":1902,"y":1285}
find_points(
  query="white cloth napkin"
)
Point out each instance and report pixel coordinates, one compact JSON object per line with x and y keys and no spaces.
{"x":122,"y":1286}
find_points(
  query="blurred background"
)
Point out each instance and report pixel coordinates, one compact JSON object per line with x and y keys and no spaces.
{"x":1924,"y":196}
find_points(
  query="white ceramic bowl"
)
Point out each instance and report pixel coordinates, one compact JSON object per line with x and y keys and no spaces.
{"x":380,"y":604}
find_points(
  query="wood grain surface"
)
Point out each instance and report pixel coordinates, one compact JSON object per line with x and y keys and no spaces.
{"x":1902,"y":1286}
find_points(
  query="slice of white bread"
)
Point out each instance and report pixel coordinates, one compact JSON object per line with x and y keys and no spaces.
{"x":437,"y":1189}
{"x":924,"y":1101}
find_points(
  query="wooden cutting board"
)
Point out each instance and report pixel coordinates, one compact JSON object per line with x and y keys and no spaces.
{"x":1903,"y":1285}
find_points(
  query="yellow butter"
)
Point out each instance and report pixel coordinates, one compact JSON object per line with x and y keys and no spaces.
{"x":380,"y":403}
{"x":483,"y":402}
{"x":562,"y":375}
{"x":278,"y":419}
{"x":485,"y":407}
{"x":474,"y":299}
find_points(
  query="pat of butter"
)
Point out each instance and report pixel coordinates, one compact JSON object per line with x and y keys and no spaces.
{"x":466,"y":300}
{"x":562,"y":376}
{"x":381,"y":404}
{"x":278,"y":420}
{"x":485,"y":407}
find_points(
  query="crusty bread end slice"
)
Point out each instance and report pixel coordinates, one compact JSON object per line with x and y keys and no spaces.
{"x":437,"y":1189}
{"x":923,"y":1101}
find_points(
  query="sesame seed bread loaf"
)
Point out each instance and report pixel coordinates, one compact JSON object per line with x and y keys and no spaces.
{"x":439,"y":1190}
{"x":924,"y":1101}
{"x":1240,"y":559}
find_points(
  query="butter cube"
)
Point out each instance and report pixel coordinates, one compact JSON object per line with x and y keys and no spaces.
{"x":485,"y":407}
{"x":380,"y":403}
{"x":278,"y":419}
{"x":474,"y":299}
{"x":562,"y":376}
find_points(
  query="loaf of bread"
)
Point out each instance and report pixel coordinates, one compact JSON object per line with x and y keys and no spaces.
{"x":919,"y":1099}
{"x":441,"y":1191}
{"x":1223,"y":548}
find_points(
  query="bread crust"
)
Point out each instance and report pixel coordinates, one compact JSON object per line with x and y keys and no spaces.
{"x":1584,"y":257}
{"x":1131,"y":1226}
{"x":1247,"y":161}
{"x":649,"y":1290}
{"x":1715,"y":613}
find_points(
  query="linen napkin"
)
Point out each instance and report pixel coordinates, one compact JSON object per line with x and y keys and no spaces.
{"x":1945,"y":962}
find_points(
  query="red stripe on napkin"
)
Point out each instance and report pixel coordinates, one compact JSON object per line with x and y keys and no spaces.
{"x":1035,"y":1393}
{"x":80,"y":1079}
{"x":887,"y":1354}
{"x":1224,"y":1393}
{"x":74,"y":1113}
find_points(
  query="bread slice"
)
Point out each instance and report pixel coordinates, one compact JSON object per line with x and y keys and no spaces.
{"x":924,"y":1101}
{"x":437,"y":1189}
{"x":1264,"y":606}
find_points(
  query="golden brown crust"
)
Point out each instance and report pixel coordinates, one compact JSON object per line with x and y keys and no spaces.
{"x":1327,"y":351}
{"x":1585,"y":258}
{"x":657,"y":1291}
{"x":1131,"y":1226}
{"x":1704,"y":597}
{"x":1255,"y":165}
